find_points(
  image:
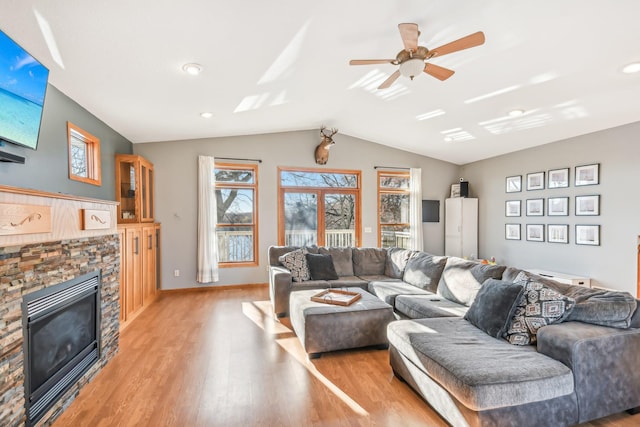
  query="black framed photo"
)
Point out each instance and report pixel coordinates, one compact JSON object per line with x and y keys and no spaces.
{"x":535,"y":232}
{"x":588,"y":175}
{"x":588,"y":235}
{"x":535,"y":181}
{"x":512,"y":208}
{"x":558,"y":178}
{"x":558,"y":206}
{"x":535,"y":207}
{"x":588,"y":205}
{"x":514,"y":184}
{"x":512,"y":231}
{"x":558,"y":233}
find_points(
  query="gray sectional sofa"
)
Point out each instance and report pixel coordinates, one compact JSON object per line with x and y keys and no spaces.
{"x":457,"y":319}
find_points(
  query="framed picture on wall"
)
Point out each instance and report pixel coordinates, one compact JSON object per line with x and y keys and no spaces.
{"x":512,"y":231}
{"x":535,"y":207}
{"x":558,"y":178}
{"x":588,"y":205}
{"x":514,"y":184}
{"x":558,"y":233}
{"x":512,"y":208}
{"x":535,"y":181}
{"x":588,"y":235}
{"x":588,"y":174}
{"x":535,"y":232}
{"x":558,"y":206}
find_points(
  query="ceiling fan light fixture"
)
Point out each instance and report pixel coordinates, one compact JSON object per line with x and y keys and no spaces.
{"x":192,"y":68}
{"x":516,"y":113}
{"x":206,"y":115}
{"x":412,"y":67}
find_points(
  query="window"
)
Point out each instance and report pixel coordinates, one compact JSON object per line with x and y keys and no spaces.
{"x":393,"y":209}
{"x":318,"y":207}
{"x":237,"y":213}
{"x":84,"y":156}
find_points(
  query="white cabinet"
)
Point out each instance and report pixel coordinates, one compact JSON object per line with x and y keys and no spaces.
{"x":461,"y":227}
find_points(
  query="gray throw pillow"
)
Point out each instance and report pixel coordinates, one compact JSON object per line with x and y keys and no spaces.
{"x":494,"y":306}
{"x":424,"y":270}
{"x":321,"y":267}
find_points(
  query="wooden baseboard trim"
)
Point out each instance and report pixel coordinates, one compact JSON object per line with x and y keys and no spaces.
{"x":215,"y":288}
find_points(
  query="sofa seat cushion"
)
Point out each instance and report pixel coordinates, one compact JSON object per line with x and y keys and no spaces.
{"x":480,"y":371}
{"x":428,"y":306}
{"x":424,"y":271}
{"x":369,"y":261}
{"x":461,"y":279}
{"x":389,"y":290}
{"x":348,"y":281}
{"x":309,"y":284}
{"x":377,"y":278}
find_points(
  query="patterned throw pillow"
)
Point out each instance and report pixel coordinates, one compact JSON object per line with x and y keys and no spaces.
{"x":296,"y":262}
{"x":538,"y":306}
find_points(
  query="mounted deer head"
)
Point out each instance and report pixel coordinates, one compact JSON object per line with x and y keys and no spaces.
{"x":322,"y":150}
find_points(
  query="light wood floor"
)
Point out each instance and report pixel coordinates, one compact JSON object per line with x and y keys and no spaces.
{"x":218,"y":358}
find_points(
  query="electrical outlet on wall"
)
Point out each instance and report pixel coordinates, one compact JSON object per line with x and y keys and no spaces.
{"x":176,"y":273}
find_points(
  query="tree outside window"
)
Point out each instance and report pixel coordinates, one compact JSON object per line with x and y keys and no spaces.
{"x":393,"y":209}
{"x":236,"y":204}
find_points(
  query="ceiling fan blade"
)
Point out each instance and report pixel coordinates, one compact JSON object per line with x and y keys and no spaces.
{"x":438,"y":72}
{"x":472,"y":40}
{"x":409,"y":34}
{"x":392,"y":78}
{"x":370,"y":61}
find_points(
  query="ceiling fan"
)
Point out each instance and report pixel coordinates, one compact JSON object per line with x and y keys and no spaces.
{"x":413,"y":58}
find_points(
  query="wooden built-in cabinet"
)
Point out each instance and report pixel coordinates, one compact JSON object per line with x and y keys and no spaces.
{"x":139,"y":266}
{"x":134,"y":189}
{"x":139,"y":235}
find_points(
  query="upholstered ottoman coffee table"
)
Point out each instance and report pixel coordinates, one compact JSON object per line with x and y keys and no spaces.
{"x":327,"y":327}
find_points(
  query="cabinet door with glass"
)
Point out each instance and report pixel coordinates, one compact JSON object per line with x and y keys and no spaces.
{"x":134,"y":189}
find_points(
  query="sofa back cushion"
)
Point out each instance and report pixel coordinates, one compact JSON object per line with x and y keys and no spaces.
{"x":342,"y":259}
{"x":397,"y":261}
{"x":424,"y":270}
{"x":461,"y":279}
{"x":369,"y":261}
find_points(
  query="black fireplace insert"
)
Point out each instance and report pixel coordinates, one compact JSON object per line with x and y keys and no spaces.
{"x":61,"y":327}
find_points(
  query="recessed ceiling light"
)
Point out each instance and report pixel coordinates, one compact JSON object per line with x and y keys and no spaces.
{"x":192,"y":68}
{"x":631,"y":68}
{"x":516,"y":113}
{"x":206,"y":115}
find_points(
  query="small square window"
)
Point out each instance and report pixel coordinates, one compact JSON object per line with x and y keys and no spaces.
{"x":84,"y":156}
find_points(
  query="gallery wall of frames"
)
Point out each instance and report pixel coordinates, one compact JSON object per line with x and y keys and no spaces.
{"x":564,"y":215}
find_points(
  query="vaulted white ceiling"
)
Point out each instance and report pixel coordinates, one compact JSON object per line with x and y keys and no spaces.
{"x":273,"y":66}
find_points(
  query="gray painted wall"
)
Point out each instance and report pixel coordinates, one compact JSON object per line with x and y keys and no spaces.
{"x":613,"y":264}
{"x":47,"y":168}
{"x":176,"y":189}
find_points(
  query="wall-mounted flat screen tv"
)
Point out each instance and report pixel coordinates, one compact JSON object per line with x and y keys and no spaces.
{"x":23,"y":84}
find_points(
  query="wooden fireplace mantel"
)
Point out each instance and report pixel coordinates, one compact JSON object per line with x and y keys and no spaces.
{"x":32,"y":216}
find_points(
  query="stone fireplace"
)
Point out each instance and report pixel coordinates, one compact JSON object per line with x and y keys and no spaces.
{"x":32,"y":263}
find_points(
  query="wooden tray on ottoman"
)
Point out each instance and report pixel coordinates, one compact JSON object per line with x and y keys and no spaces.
{"x":336,"y":297}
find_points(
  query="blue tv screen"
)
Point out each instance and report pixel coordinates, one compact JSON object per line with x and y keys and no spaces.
{"x":23,"y":84}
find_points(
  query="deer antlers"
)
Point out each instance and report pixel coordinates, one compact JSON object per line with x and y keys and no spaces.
{"x":333,"y":132}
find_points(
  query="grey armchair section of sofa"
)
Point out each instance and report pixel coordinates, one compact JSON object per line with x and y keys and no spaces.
{"x":579,"y":370}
